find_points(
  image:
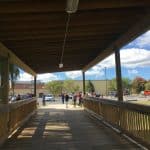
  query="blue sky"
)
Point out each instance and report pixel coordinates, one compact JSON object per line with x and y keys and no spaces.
{"x":135,"y":61}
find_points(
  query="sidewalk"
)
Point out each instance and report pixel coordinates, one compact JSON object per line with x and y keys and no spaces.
{"x":57,"y":128}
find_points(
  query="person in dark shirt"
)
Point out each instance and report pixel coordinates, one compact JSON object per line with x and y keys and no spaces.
{"x":18,"y":97}
{"x":66,"y":99}
{"x":74,"y":99}
{"x":43,"y":100}
{"x":62,"y":97}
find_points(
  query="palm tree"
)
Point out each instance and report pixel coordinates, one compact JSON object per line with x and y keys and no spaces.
{"x":14,"y":75}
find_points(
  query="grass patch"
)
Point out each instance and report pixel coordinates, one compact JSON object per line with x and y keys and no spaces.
{"x":142,"y":102}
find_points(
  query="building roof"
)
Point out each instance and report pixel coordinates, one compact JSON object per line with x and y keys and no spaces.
{"x":28,"y":82}
{"x":34,"y":30}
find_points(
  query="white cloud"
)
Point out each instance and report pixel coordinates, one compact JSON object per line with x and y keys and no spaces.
{"x":73,"y":74}
{"x":130,"y":58}
{"x":109,"y":62}
{"x":42,"y":77}
{"x":95,"y":71}
{"x":25,"y":77}
{"x":47,"y":77}
{"x":132,"y":71}
{"x":143,"y":40}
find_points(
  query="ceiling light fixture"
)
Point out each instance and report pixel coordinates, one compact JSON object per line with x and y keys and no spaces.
{"x":72,"y":6}
{"x":60,"y":65}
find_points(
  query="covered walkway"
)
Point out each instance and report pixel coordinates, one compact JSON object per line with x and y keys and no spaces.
{"x":55,"y":127}
{"x":49,"y":36}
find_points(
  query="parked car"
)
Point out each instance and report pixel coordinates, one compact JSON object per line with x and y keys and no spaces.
{"x":112,"y":93}
{"x":70,"y":96}
{"x":49,"y":97}
{"x":12,"y":98}
{"x":147,"y":92}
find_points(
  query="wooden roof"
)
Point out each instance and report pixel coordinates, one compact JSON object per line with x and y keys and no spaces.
{"x":34,"y":30}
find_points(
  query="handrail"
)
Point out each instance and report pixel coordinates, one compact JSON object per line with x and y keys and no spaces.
{"x":20,"y":102}
{"x":131,"y":119}
{"x":13,"y":115}
{"x":130,"y":106}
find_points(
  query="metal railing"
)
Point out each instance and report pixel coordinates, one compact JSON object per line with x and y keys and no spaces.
{"x":131,"y":119}
{"x":13,"y":115}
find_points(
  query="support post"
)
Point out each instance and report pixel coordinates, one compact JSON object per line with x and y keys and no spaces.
{"x":83,"y":74}
{"x":35,"y":86}
{"x":4,"y":80}
{"x":106,"y":80}
{"x":118,"y":75}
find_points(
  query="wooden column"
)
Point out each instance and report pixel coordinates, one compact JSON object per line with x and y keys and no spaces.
{"x":118,"y":75}
{"x":83,"y":74}
{"x":106,"y":80}
{"x":4,"y":80}
{"x":35,"y":86}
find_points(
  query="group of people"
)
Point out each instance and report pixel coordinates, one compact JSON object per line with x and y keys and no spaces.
{"x":76,"y":97}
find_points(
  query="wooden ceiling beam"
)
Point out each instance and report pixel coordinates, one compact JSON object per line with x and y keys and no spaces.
{"x":5,"y":52}
{"x":71,"y":35}
{"x":41,"y":29}
{"x":33,"y":26}
{"x":97,"y":4}
{"x":58,"y":35}
{"x":57,"y":69}
{"x":76,"y":21}
{"x":135,"y":31}
{"x":32,"y":6}
{"x":45,"y":41}
{"x":41,"y":53}
{"x":49,"y":49}
{"x":60,"y":6}
{"x":112,"y":14}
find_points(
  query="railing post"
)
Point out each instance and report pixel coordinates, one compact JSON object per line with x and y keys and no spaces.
{"x":4,"y":91}
{"x":83,"y":74}
{"x":118,"y":75}
{"x":35,"y":86}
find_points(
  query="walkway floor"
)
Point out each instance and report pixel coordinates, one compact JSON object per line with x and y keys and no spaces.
{"x":57,"y":128}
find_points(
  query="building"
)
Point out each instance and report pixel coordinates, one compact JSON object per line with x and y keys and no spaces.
{"x":24,"y":87}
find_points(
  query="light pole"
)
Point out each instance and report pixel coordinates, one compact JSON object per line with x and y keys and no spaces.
{"x":106,"y":80}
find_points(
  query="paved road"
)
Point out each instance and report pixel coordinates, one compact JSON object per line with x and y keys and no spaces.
{"x":130,"y":98}
{"x":56,"y":128}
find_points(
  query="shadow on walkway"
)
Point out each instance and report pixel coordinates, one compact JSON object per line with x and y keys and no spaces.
{"x":56,"y":128}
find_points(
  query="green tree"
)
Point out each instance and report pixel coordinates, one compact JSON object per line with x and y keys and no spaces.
{"x":126,"y":84}
{"x":14,"y":75}
{"x":113,"y":85}
{"x":90,"y":87}
{"x":138,"y":84}
{"x":147,"y":85}
{"x":55,"y":87}
{"x":70,"y":86}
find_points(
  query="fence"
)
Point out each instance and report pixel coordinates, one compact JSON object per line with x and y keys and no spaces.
{"x":131,"y":119}
{"x":13,"y":115}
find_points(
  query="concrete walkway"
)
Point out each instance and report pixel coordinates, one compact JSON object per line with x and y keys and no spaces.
{"x":57,"y":128}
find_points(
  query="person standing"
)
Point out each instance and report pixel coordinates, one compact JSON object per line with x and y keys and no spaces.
{"x":43,"y":100}
{"x":18,"y":97}
{"x":66,"y":99}
{"x":80,"y":99}
{"x":62,"y":97}
{"x":74,"y":99}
